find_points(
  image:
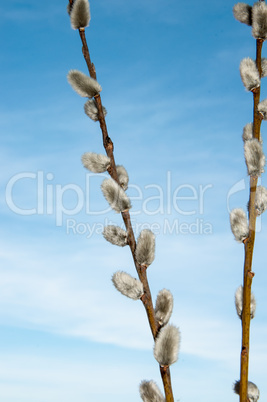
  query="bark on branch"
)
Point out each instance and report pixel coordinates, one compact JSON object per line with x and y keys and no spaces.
{"x":141,"y":270}
{"x":249,"y":247}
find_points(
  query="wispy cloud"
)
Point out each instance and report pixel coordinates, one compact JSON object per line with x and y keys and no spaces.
{"x":36,"y":292}
{"x":158,"y":10}
{"x":22,"y":12}
{"x":39,"y":377}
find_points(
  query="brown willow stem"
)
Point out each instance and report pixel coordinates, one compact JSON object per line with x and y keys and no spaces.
{"x":249,"y":247}
{"x":86,"y":54}
{"x":147,"y":299}
{"x":141,"y":270}
{"x":147,"y":302}
{"x":109,"y":147}
{"x":166,"y":378}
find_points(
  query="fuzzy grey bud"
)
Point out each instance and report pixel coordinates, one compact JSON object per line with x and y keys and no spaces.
{"x":96,"y":163}
{"x":145,"y":248}
{"x":261,"y":199}
{"x":167,"y":345}
{"x":90,"y":109}
{"x":150,"y":392}
{"x":264,"y":67}
{"x":127,"y":285}
{"x":239,"y":303}
{"x":259,"y":20}
{"x":243,"y":13}
{"x":239,"y":224}
{"x":164,"y":306}
{"x":79,"y":14}
{"x":249,"y":74}
{"x":122,"y":176}
{"x":247,"y":132}
{"x":253,"y":391}
{"x":262,"y":109}
{"x":115,"y":195}
{"x":254,"y":156}
{"x":83,"y":84}
{"x":115,"y":235}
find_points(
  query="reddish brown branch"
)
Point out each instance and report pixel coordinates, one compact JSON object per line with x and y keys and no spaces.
{"x":147,"y":302}
{"x":256,"y":95}
{"x":108,"y":145}
{"x":141,"y":270}
{"x":249,"y":247}
{"x":166,"y":378}
{"x":86,"y":54}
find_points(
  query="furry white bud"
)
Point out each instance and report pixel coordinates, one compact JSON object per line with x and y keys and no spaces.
{"x":262,"y":109}
{"x":164,"y":306}
{"x":253,"y":391}
{"x":127,"y":285}
{"x":90,"y":109}
{"x":122,"y":176}
{"x":249,"y":74}
{"x":239,"y":224}
{"x":263,"y":67}
{"x":167,"y":344}
{"x":239,"y":303}
{"x":261,"y":199}
{"x":96,"y":163}
{"x":247,"y":132}
{"x":115,"y":235}
{"x":145,"y":248}
{"x":254,"y":156}
{"x":259,"y":20}
{"x":79,"y":14}
{"x":115,"y":195}
{"x":243,"y":13}
{"x":83,"y":84}
{"x":150,"y":392}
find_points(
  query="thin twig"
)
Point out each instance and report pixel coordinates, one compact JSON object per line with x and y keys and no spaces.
{"x":249,"y":247}
{"x":166,"y":378}
{"x":141,"y":270}
{"x":108,"y":145}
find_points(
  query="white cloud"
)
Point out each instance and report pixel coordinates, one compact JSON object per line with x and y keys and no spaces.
{"x":36,"y":292}
{"x":158,"y":10}
{"x":47,"y":377}
{"x":50,"y":293}
{"x":29,"y":12}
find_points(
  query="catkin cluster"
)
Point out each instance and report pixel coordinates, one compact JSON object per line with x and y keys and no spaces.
{"x":167,"y":338}
{"x":252,"y":72}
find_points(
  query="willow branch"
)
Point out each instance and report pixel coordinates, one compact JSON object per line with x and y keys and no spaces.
{"x":109,"y":148}
{"x":249,"y":247}
{"x":141,"y":270}
{"x":166,"y":378}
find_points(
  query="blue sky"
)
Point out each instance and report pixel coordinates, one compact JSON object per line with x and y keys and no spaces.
{"x":176,"y":110}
